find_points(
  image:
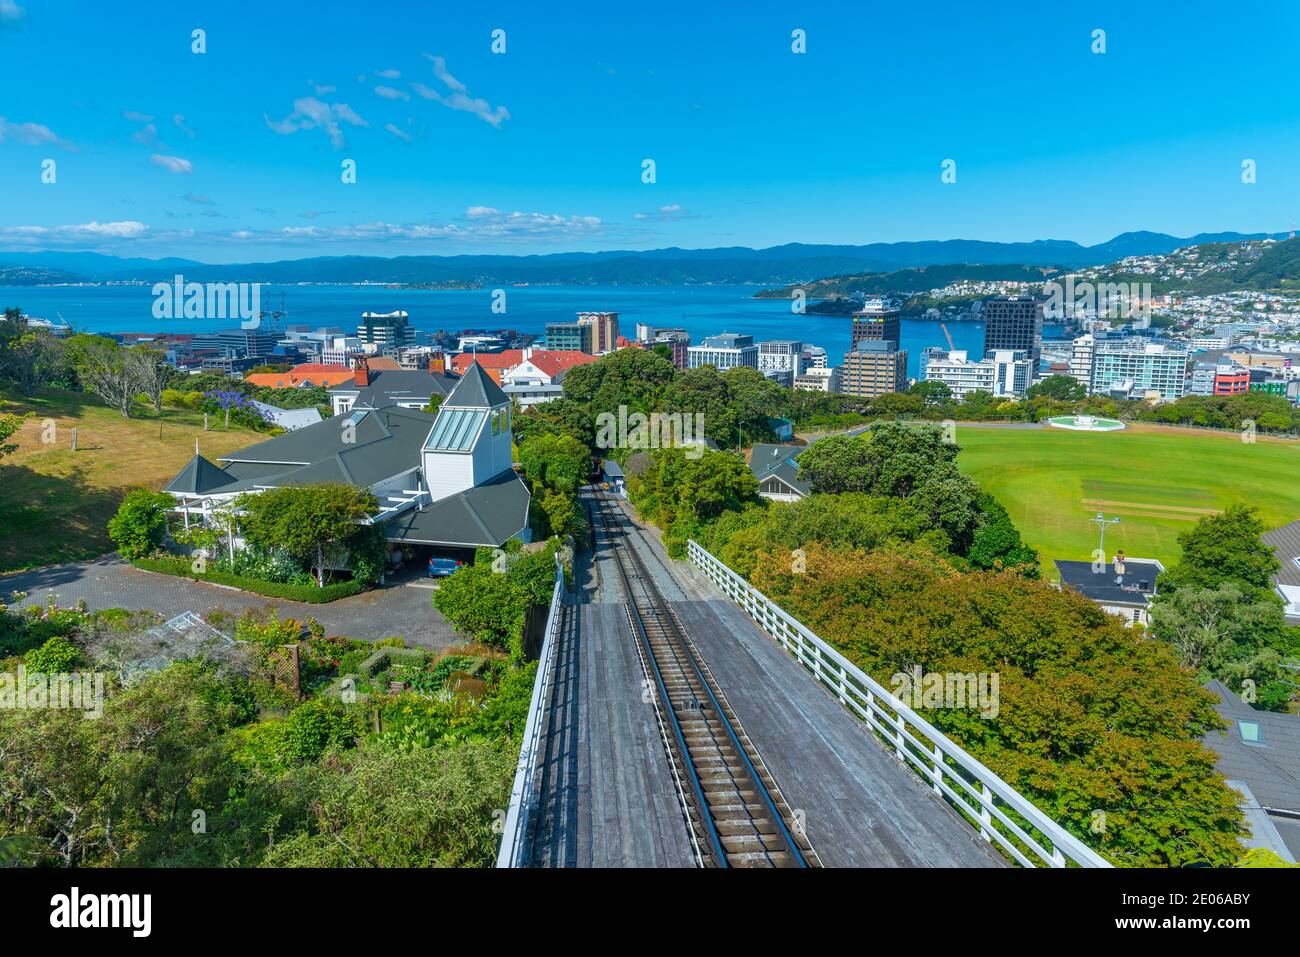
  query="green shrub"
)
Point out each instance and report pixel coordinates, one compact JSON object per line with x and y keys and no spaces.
{"x":56,"y":656}
{"x":310,"y":730}
{"x":140,"y":523}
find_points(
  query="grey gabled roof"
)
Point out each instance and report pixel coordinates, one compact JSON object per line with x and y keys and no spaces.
{"x":1271,"y":767}
{"x":386,"y":442}
{"x":778,"y":461}
{"x":390,"y":386}
{"x":488,"y":514}
{"x":199,"y":477}
{"x":476,"y":390}
{"x":1286,"y":544}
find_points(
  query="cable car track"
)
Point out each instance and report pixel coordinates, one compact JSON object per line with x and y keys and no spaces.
{"x":734,"y":806}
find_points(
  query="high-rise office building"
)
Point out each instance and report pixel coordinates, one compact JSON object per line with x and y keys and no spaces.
{"x":1016,"y":323}
{"x":604,"y":330}
{"x":874,"y":367}
{"x":877,"y":320}
{"x":570,"y":337}
{"x":385,"y":330}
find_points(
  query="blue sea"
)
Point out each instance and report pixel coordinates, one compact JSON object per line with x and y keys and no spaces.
{"x":701,"y":310}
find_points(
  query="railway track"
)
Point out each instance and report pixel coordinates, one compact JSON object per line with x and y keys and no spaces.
{"x":736,"y":810}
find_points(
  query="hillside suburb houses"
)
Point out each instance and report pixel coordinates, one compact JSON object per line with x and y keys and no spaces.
{"x":443,"y":480}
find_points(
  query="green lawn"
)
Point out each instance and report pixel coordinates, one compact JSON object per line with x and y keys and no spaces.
{"x":55,"y":503}
{"x":1157,"y":480}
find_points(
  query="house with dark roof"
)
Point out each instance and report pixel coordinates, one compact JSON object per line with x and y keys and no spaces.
{"x":442,"y":479}
{"x":1285,"y":542}
{"x":376,"y":388}
{"x":776,"y":468}
{"x":1122,"y":587}
{"x":1259,"y":754}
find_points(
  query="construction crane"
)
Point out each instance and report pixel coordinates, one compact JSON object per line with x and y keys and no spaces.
{"x":947,"y":335}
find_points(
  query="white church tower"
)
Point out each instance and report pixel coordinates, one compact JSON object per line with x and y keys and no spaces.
{"x":470,"y":440}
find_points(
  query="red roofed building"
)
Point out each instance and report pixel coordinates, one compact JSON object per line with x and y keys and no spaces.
{"x":303,"y":376}
{"x":528,"y":376}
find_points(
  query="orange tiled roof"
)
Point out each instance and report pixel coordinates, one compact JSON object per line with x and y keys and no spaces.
{"x":308,"y":373}
{"x":549,"y":361}
{"x":378,"y":363}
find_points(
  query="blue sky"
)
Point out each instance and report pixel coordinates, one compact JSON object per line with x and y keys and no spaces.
{"x":236,"y":154}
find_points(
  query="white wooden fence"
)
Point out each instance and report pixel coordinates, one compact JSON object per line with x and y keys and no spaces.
{"x":1002,"y":814}
{"x":524,"y":791}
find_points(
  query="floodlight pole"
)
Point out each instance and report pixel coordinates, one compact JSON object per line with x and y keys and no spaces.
{"x":1101,"y":521}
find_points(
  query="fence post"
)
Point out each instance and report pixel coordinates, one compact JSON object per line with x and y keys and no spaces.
{"x":986,"y":816}
{"x":938,"y":769}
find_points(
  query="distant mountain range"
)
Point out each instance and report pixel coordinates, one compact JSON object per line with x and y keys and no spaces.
{"x":776,"y":265}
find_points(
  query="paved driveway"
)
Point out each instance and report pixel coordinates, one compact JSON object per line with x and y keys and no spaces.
{"x":110,"y":582}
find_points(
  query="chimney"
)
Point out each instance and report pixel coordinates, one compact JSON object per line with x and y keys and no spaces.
{"x":437,"y":363}
{"x":528,"y":353}
{"x":361,"y":373}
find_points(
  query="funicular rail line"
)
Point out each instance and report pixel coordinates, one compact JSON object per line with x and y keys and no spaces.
{"x":737,"y":811}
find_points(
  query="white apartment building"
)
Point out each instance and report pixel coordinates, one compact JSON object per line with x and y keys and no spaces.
{"x":781,"y":356}
{"x":1144,"y":367}
{"x":1003,"y":373}
{"x":1081,"y":360}
{"x":723,"y":352}
{"x":819,"y":379}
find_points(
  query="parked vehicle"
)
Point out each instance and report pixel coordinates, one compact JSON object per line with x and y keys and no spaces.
{"x":442,"y":567}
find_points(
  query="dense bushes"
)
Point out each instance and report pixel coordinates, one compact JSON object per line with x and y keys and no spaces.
{"x":491,"y":598}
{"x":1090,"y":716}
{"x":184,"y":568}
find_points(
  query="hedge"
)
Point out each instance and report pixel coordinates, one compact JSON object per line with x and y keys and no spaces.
{"x":182,"y":568}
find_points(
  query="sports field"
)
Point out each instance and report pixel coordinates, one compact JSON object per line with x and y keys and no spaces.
{"x":1158,"y":481}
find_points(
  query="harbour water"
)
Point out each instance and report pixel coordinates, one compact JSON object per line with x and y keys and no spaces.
{"x":701,"y":310}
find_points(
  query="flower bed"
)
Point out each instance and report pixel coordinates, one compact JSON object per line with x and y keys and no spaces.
{"x":182,"y":568}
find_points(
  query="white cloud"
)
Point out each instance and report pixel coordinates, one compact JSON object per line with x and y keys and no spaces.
{"x":147,"y":135}
{"x":389,"y":74}
{"x":198,"y":199}
{"x":397,"y":131}
{"x":30,"y":134}
{"x":10,"y":12}
{"x":42,"y":235}
{"x":173,"y":164}
{"x":310,"y":113}
{"x":388,"y":93}
{"x":133,"y":116}
{"x":669,"y":213}
{"x":178,"y":121}
{"x":458,"y":98}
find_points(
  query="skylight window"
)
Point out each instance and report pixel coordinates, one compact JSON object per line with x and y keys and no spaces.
{"x":456,"y":429}
{"x":1250,"y":732}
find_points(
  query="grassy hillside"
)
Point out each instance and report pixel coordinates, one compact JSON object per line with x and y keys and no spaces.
{"x":55,"y":503}
{"x":917,"y":279}
{"x":1158,"y":480}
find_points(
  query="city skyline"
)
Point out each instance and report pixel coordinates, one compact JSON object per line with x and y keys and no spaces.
{"x":236,"y":154}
